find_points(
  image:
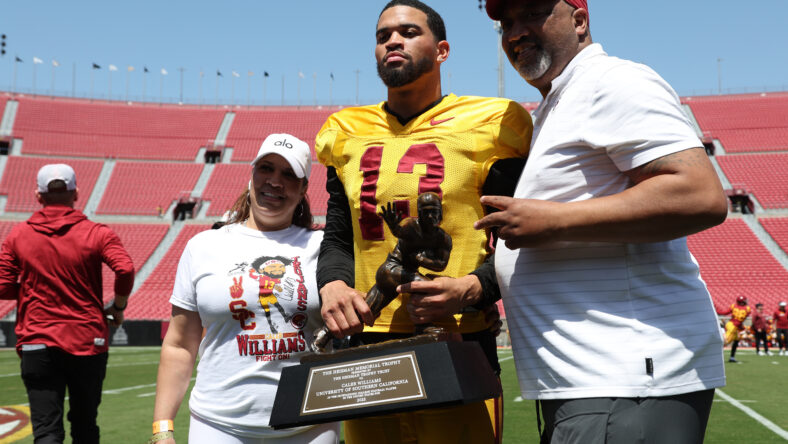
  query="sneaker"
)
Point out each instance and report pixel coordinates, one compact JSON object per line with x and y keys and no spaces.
{"x":760,"y":353}
{"x":768,"y":353}
{"x":732,"y":359}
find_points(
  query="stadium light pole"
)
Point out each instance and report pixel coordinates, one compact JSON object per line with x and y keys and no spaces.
{"x":180,"y":97}
{"x":202,"y":74}
{"x":16,"y":62}
{"x":265,"y":84}
{"x":55,"y":64}
{"x":298,"y":89}
{"x":249,"y":88}
{"x":357,"y":71}
{"x":719,"y":75}
{"x":144,"y":81}
{"x":501,"y":82}
{"x":129,"y":69}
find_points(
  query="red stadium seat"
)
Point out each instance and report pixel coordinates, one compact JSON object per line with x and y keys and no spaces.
{"x":744,"y":123}
{"x":766,"y":175}
{"x":140,"y":188}
{"x":734,"y":262}
{"x":19,"y":180}
{"x":152,"y":300}
{"x":78,"y":127}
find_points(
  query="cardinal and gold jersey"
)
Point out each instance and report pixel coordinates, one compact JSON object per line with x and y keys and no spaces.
{"x":449,"y":150}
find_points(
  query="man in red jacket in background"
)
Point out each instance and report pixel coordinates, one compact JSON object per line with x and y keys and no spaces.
{"x":759,"y":329}
{"x":51,"y":265}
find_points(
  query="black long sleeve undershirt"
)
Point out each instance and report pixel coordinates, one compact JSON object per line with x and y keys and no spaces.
{"x":337,"y":261}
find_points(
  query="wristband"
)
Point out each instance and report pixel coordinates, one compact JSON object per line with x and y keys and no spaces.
{"x":164,"y":425}
{"x":161,"y":436}
{"x":115,"y":306}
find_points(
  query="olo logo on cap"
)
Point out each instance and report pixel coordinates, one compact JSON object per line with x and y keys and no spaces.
{"x":284,"y":143}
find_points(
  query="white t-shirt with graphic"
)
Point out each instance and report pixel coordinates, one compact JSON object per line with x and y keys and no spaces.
{"x":257,"y":297}
{"x":606,"y":319}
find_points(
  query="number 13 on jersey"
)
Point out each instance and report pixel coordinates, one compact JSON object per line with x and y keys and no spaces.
{"x":370,"y":223}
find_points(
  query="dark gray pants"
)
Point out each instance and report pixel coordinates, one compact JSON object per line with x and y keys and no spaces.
{"x":46,"y":374}
{"x":679,"y":419}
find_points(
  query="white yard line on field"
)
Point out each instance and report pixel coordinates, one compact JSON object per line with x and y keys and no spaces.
{"x":123,"y":389}
{"x":752,"y":413}
{"x":108,"y":366}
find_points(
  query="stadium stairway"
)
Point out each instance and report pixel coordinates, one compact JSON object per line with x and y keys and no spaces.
{"x":224,"y":129}
{"x":3,"y":197}
{"x":155,"y":257}
{"x":766,"y":239}
{"x":99,"y":187}
{"x":9,"y":116}
{"x":199,"y":187}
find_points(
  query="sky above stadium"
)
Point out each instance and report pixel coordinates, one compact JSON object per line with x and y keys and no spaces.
{"x":321,"y":52}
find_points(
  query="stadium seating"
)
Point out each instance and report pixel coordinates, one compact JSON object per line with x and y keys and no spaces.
{"x":152,"y":300}
{"x":250,"y":128}
{"x":765,"y":175}
{"x":777,"y":228}
{"x":226,"y":183}
{"x":65,"y":127}
{"x":19,"y":180}
{"x":744,"y":123}
{"x":157,"y":146}
{"x":317,"y":194}
{"x":140,"y":188}
{"x":139,"y":240}
{"x":734,"y":262}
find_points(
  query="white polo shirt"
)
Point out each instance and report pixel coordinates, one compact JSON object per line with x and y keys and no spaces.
{"x":606,"y":319}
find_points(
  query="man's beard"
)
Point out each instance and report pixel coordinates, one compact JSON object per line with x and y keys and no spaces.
{"x":405,"y":74}
{"x":537,"y":68}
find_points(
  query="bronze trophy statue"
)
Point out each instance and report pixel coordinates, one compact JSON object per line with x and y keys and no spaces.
{"x":422,"y":243}
{"x":423,"y":371}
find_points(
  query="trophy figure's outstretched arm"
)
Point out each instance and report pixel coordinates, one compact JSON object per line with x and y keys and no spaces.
{"x":392,"y":218}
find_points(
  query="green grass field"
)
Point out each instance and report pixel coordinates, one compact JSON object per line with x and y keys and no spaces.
{"x":758,"y":383}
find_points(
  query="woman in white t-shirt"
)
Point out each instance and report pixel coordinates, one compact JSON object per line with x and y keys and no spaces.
{"x":251,"y":285}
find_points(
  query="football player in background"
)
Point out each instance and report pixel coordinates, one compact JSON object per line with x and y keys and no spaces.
{"x":739,"y":311}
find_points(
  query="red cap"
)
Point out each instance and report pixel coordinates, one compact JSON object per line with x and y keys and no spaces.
{"x":495,"y":7}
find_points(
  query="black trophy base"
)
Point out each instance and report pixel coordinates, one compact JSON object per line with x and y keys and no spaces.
{"x":390,"y":377}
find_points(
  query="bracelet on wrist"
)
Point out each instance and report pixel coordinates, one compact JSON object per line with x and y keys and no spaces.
{"x":161,"y":436}
{"x":115,"y":306}
{"x":163,"y":425}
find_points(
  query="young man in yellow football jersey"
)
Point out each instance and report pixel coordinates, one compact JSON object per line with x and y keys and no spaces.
{"x":418,"y":141}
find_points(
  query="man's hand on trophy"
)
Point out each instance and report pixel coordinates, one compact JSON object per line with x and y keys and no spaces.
{"x":344,"y":309}
{"x":525,"y":223}
{"x":390,"y":214}
{"x":493,"y":318}
{"x":441,"y":297}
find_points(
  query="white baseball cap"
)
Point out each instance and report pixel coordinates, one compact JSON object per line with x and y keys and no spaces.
{"x":294,"y":150}
{"x":782,"y":304}
{"x":56,"y":171}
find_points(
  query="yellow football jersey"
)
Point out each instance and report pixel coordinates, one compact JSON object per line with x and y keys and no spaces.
{"x":449,"y":150}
